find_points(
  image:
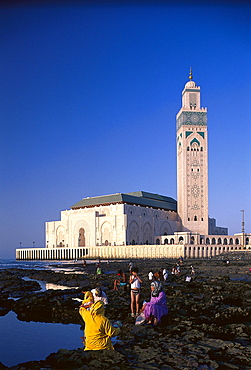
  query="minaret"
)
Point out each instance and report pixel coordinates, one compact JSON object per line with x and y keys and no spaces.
{"x":192,"y":160}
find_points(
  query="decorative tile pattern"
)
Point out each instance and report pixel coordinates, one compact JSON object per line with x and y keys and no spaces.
{"x":192,"y":118}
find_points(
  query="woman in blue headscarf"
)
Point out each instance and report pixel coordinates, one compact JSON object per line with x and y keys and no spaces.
{"x":157,"y":307}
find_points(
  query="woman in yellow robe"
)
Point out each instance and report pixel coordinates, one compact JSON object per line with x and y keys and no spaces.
{"x":98,"y":329}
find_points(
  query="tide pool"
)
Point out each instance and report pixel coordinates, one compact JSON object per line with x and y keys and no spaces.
{"x":22,"y":341}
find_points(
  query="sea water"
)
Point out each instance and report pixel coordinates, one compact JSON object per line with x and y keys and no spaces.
{"x":22,"y":341}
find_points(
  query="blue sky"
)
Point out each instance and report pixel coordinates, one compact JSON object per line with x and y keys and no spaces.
{"x":88,"y":99}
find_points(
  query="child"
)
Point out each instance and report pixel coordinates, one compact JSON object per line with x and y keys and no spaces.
{"x":135,"y":282}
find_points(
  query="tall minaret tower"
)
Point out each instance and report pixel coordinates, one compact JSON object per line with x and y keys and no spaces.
{"x":192,"y":160}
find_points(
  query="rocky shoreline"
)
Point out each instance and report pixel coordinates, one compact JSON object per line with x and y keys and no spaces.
{"x":208,"y":326}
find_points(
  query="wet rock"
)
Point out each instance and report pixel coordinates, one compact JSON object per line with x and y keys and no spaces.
{"x":207,"y":327}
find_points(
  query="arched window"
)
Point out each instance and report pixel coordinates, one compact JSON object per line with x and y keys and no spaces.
{"x":192,"y":239}
{"x":172,"y":241}
{"x":166,"y":241}
{"x":225,"y":241}
{"x":207,"y":241}
{"x":157,"y":241}
{"x":237,"y":241}
{"x":247,"y":241}
{"x":219,"y":241}
{"x":231,"y":241}
{"x":181,"y":239}
{"x":213,"y":241}
{"x":195,"y":218}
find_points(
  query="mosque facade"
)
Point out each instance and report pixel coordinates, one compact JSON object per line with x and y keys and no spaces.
{"x":120,"y":225}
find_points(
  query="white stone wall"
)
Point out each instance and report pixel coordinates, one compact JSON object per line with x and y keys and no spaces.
{"x":144,"y":224}
{"x":99,"y":226}
{"x":118,"y":224}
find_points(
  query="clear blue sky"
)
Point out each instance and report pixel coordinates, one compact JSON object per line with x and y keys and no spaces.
{"x":88,"y":99}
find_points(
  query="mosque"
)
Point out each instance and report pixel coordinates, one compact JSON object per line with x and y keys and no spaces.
{"x":142,"y":224}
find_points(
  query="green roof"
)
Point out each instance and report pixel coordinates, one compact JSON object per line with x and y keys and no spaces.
{"x":140,"y":198}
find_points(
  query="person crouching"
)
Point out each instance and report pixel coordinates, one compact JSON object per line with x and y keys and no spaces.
{"x":98,"y":329}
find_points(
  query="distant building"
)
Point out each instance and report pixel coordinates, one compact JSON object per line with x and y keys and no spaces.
{"x":95,"y":224}
{"x":118,"y":219}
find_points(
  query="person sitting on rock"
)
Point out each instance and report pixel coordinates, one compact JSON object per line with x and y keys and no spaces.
{"x":157,"y":307}
{"x":120,"y":281}
{"x":98,"y":329}
{"x":99,"y":295}
{"x":158,"y":275}
{"x":98,"y":270}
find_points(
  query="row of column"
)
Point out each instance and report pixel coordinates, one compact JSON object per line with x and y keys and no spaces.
{"x":132,"y":251}
{"x":207,"y":251}
{"x":51,"y":253}
{"x":106,"y":252}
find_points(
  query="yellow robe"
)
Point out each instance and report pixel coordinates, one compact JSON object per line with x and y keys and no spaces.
{"x":88,"y":298}
{"x":98,"y":329}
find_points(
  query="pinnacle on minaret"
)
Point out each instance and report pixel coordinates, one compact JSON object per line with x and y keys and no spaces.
{"x":191,"y":74}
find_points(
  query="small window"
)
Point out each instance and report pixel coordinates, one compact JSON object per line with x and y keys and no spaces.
{"x":202,"y":219}
{"x":195,"y":218}
{"x":201,"y":149}
{"x":188,"y":148}
{"x":188,"y":218}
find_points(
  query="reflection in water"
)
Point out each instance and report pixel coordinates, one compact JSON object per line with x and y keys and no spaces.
{"x":46,"y":286}
{"x":55,"y":286}
{"x":22,"y":341}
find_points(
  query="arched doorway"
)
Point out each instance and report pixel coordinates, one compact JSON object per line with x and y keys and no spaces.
{"x":81,"y":237}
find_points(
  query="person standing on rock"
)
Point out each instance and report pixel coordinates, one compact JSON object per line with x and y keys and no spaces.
{"x":135,"y":282}
{"x":130,"y":266}
{"x":98,"y":329}
{"x":165,"y":274}
{"x":150,"y":275}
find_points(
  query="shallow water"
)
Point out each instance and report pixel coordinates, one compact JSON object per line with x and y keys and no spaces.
{"x":22,"y":341}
